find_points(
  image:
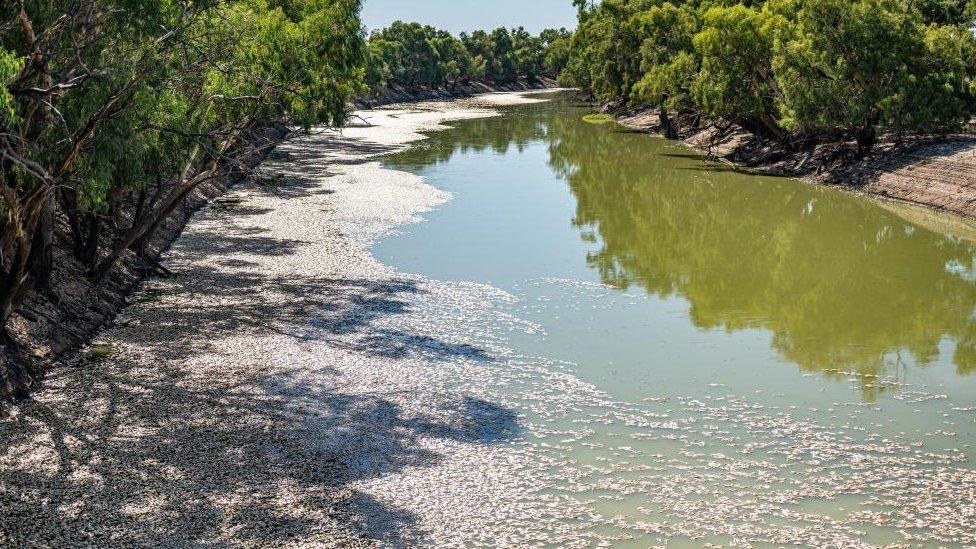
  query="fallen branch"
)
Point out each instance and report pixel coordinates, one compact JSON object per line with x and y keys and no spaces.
{"x":61,"y":325}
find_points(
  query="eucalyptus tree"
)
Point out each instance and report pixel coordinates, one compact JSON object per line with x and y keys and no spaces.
{"x":736,"y":79}
{"x":113,"y":111}
{"x":413,"y":55}
{"x":418,"y":58}
{"x":73,"y":70}
{"x":858,"y":67}
{"x":295,"y":62}
{"x":946,"y":12}
{"x":820,"y":69}
{"x":504,"y":66}
{"x":555,"y":44}
{"x":528,"y":53}
{"x":668,"y":59}
{"x":606,"y":58}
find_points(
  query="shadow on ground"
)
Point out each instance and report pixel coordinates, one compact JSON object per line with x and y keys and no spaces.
{"x":174,"y":441}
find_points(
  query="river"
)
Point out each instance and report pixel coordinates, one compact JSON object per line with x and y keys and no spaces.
{"x":779,"y":360}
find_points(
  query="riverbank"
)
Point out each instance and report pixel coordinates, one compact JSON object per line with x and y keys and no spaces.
{"x":52,"y":324}
{"x":460,"y":90}
{"x":282,"y":386}
{"x":935,"y":172}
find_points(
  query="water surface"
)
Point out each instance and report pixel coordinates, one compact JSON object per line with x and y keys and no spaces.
{"x":822,"y":344}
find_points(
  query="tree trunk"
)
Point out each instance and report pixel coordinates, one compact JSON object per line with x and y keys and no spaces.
{"x":668,"y":125}
{"x":866,"y":137}
{"x":89,"y":253}
{"x":143,"y":229}
{"x":11,"y":283}
{"x":69,"y":207}
{"x":24,"y":217}
{"x":41,"y":260}
{"x":774,"y":130}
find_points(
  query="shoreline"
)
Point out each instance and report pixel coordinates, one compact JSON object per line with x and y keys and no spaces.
{"x":398,"y":95}
{"x":283,"y":386}
{"x":53,"y":325}
{"x":936,"y":173}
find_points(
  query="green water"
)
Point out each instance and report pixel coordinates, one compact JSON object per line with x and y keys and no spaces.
{"x":674,"y":284}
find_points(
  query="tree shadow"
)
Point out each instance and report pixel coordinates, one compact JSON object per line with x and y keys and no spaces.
{"x":915,"y":152}
{"x":624,"y":130}
{"x":343,"y":149}
{"x":682,"y":156}
{"x":345,"y":313}
{"x":248,"y":244}
{"x":168,"y":443}
{"x":294,"y":184}
{"x":148,"y":459}
{"x":302,"y":166}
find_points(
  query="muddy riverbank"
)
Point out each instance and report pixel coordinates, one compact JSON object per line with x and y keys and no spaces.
{"x":938,"y":172}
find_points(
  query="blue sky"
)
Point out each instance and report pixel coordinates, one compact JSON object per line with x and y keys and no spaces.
{"x":467,"y":15}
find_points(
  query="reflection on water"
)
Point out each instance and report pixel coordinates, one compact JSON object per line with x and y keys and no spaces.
{"x":715,"y":357}
{"x":842,"y":283}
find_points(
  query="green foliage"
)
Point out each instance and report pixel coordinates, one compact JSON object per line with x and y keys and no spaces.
{"x":736,"y":79}
{"x":821,"y":68}
{"x":556,"y":44}
{"x":668,"y":59}
{"x":947,"y":12}
{"x":865,"y":65}
{"x":10,"y":65}
{"x":113,"y":110}
{"x":246,"y":61}
{"x":411,"y":54}
{"x":605,"y":56}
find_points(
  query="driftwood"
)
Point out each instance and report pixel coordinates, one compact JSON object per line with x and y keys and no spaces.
{"x":27,"y":313}
{"x":156,"y":266}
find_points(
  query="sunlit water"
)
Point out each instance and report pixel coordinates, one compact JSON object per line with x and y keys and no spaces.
{"x":790,"y":358}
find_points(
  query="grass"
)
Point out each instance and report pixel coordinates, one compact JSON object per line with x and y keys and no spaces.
{"x":98,"y":352}
{"x":598,"y":118}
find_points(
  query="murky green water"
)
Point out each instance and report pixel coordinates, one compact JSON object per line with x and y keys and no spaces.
{"x":811,"y":354}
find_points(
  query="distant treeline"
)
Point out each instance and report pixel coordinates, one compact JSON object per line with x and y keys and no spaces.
{"x":786,"y":69}
{"x":411,"y":55}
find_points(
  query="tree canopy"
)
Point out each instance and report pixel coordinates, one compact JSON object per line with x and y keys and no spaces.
{"x":113,"y":111}
{"x":412,"y":55}
{"x":781,"y":68}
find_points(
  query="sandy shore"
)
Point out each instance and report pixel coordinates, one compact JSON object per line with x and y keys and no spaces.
{"x":284,"y":388}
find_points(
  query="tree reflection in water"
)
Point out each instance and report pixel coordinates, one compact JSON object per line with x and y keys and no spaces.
{"x":842,"y":283}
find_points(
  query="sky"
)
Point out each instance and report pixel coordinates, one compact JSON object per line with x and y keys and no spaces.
{"x":467,"y":15}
